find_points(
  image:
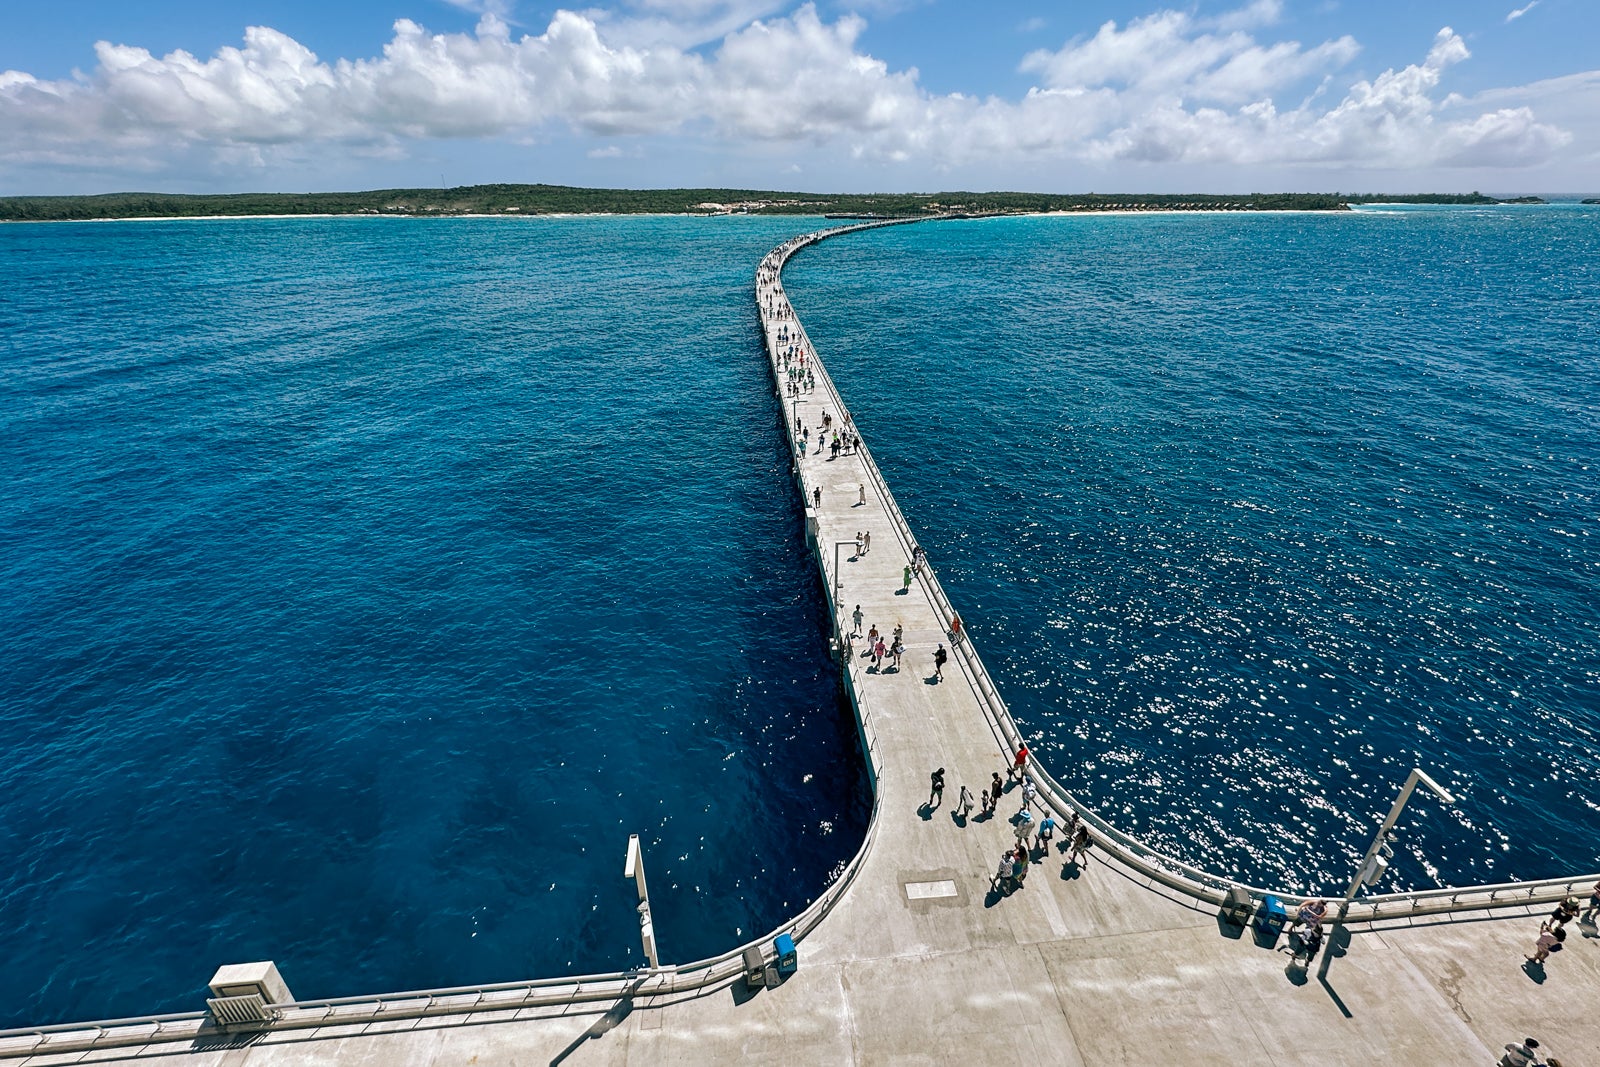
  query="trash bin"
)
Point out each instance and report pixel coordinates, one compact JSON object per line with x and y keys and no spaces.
{"x":755,"y":967}
{"x":1236,"y":907}
{"x":783,"y":944}
{"x":1272,"y":916}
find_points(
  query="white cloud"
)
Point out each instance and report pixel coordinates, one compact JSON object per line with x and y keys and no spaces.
{"x":1521,"y":11}
{"x":1169,"y":54}
{"x":1256,"y":13}
{"x":678,"y":23}
{"x":498,"y":8}
{"x":1167,"y":88}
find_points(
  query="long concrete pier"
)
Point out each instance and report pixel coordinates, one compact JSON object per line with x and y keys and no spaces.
{"x":916,"y":959}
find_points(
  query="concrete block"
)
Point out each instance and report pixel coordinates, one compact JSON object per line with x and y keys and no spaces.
{"x":242,"y":979}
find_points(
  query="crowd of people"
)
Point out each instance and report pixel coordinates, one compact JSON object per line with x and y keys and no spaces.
{"x":1034,"y":836}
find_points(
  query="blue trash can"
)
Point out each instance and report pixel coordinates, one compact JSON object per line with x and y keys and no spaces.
{"x":1272,"y":916}
{"x":783,"y":945}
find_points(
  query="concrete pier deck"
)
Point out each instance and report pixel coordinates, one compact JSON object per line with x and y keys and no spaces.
{"x":921,"y":963}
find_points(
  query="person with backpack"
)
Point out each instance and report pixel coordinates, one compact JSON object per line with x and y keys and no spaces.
{"x":1521,"y":1055}
{"x":1047,"y":831}
{"x":1080,"y":844}
{"x":940,"y":658}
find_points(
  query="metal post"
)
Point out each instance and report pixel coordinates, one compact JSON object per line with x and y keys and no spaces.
{"x":647,"y":929}
{"x":838,"y":575}
{"x":1362,"y":874}
{"x":1364,"y":871}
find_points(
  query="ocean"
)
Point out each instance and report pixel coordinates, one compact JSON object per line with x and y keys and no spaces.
{"x":1251,"y":514}
{"x":368,"y":581}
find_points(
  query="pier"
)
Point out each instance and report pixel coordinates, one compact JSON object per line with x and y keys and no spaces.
{"x":913,"y":956}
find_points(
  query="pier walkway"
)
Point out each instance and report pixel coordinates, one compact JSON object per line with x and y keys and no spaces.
{"x":919,"y":962}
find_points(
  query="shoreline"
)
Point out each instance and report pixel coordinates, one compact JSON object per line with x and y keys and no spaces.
{"x":514,"y":216}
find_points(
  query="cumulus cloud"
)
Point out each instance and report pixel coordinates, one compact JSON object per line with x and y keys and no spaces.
{"x":1167,"y":88}
{"x":1172,"y":54}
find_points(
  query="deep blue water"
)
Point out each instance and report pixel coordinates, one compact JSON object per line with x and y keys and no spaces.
{"x":364,"y":583}
{"x":1249,"y":514}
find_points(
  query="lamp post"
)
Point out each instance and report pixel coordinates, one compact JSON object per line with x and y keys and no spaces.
{"x":647,"y":926}
{"x":838,"y":576}
{"x":1376,"y":861}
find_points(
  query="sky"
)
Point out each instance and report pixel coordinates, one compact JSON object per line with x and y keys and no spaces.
{"x":1233,"y":96}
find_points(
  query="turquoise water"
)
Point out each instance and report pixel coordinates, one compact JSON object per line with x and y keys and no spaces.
{"x":366,"y":582}
{"x":1249,"y":515}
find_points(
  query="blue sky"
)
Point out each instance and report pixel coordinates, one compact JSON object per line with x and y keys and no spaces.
{"x":1134,"y":95}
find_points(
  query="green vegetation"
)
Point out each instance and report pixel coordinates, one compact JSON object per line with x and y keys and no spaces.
{"x":560,"y":199}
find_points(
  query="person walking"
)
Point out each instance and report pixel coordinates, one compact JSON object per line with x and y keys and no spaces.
{"x":861,"y":494}
{"x":1024,"y":829}
{"x":1550,"y":940}
{"x":1020,"y":766}
{"x":905,"y":579}
{"x":866,"y":541}
{"x":817,"y":496}
{"x":1047,"y":833}
{"x":896,"y":650}
{"x":879,"y":651}
{"x":998,"y":789}
{"x":1080,"y":844}
{"x":964,"y":804}
{"x":1589,"y":913}
{"x":936,"y":790}
{"x":1003,"y":874}
{"x":858,"y":543}
{"x":939,"y":658}
{"x":1520,"y":1055}
{"x":1030,"y":793}
{"x":872,"y":636}
{"x":1019,"y":865}
{"x":856,"y":617}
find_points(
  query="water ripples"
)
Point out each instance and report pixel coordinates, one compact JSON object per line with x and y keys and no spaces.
{"x":1251,"y":514}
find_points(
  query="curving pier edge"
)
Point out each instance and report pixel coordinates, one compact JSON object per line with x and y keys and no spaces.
{"x":1114,"y":960}
{"x":1149,"y":862}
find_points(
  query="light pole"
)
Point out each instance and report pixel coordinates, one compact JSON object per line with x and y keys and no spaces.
{"x":1376,"y":861}
{"x":647,"y":926}
{"x":838,"y":576}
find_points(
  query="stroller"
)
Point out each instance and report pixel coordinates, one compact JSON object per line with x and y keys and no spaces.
{"x":1310,"y":945}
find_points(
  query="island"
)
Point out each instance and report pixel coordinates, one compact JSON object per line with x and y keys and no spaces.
{"x":514,"y":200}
